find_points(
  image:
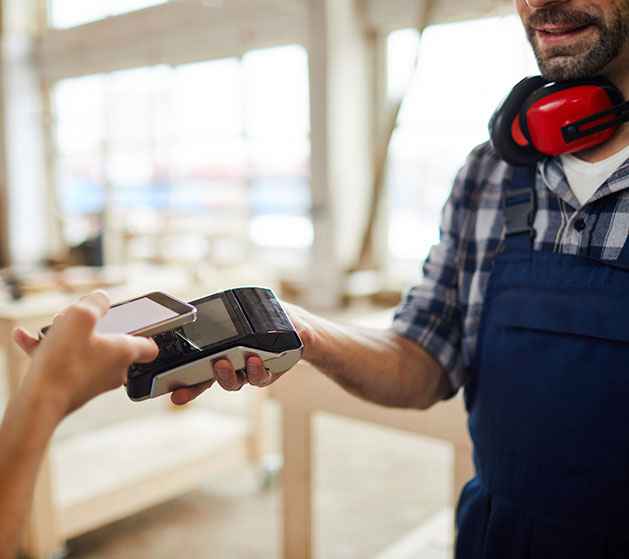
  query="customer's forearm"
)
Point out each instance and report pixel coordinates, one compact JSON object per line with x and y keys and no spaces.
{"x":27,"y":427}
{"x":378,"y":365}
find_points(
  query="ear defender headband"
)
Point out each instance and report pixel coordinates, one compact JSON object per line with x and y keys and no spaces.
{"x":540,"y":118}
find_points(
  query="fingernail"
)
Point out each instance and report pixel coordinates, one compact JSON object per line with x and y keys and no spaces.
{"x":222,"y":374}
{"x":254,"y":372}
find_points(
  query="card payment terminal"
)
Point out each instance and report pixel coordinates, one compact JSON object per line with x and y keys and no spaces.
{"x":231,"y":324}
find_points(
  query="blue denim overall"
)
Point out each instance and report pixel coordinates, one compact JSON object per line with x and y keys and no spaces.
{"x":548,"y":404}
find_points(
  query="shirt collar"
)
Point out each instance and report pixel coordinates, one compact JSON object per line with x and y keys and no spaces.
{"x":554,"y":178}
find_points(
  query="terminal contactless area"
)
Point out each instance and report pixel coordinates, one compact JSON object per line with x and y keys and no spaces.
{"x":231,"y":324}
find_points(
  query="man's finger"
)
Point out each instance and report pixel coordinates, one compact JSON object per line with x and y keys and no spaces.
{"x":257,"y":375}
{"x":184,"y":395}
{"x":227,"y":377}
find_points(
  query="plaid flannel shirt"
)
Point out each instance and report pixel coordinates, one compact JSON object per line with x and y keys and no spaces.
{"x":442,"y":313}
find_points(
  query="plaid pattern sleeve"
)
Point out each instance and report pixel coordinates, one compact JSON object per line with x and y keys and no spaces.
{"x":442,"y":312}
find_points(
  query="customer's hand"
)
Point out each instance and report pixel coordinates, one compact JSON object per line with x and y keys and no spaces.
{"x":73,"y":363}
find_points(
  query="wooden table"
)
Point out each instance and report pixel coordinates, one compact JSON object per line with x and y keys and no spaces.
{"x":304,"y":392}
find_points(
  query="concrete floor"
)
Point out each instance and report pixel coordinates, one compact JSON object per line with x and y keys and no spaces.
{"x":378,"y":493}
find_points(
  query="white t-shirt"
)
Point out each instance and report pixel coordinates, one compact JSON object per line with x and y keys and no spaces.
{"x":584,"y":177}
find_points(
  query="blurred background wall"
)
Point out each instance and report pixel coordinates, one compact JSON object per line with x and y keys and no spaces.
{"x":313,"y":139}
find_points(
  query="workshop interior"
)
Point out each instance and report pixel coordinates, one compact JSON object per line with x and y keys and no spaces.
{"x":195,"y":146}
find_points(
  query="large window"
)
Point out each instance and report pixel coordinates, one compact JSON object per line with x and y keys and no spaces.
{"x":204,"y":160}
{"x":464,"y":70}
{"x":210,"y":160}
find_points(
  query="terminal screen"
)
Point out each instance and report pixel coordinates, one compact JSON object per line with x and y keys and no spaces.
{"x":213,"y":324}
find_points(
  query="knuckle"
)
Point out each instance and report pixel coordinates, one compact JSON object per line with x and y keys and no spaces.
{"x":82,"y":314}
{"x":98,"y":298}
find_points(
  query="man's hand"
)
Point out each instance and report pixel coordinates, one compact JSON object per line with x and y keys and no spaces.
{"x":255,"y":374}
{"x":229,"y":379}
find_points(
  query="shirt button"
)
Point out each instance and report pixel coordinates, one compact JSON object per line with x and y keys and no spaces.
{"x":579,"y":225}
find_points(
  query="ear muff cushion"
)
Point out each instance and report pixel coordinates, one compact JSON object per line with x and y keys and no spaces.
{"x":500,"y":131}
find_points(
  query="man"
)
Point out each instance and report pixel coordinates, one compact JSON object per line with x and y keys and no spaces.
{"x":71,"y":366}
{"x":532,"y":321}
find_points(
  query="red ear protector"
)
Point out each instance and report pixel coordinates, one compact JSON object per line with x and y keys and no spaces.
{"x":541,"y":118}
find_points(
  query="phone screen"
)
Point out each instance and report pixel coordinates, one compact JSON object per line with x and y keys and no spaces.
{"x":133,"y":315}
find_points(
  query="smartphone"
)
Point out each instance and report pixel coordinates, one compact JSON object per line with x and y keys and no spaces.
{"x":147,"y":315}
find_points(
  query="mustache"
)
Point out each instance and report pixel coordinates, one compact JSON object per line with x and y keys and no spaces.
{"x":558,"y":15}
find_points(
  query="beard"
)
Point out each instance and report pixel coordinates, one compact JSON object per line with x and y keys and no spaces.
{"x":582,"y":59}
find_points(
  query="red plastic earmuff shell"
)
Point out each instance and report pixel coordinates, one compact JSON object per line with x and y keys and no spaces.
{"x":516,"y":133}
{"x":546,"y":112}
{"x":528,"y":124}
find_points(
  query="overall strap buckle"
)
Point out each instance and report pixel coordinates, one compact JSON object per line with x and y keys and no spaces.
{"x":519,"y":211}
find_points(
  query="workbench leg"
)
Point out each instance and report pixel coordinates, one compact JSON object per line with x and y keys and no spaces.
{"x":463,"y":471}
{"x":297,"y":483}
{"x":259,"y":442}
{"x":463,"y":467}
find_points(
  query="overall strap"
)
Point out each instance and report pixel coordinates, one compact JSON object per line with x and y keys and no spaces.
{"x":519,"y":206}
{"x":623,"y":257}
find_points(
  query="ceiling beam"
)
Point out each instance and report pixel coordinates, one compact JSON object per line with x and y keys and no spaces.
{"x":171,"y":33}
